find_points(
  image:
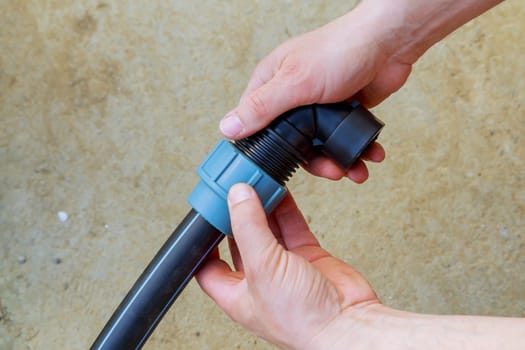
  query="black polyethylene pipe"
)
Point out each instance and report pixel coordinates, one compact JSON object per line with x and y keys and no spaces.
{"x":159,"y":285}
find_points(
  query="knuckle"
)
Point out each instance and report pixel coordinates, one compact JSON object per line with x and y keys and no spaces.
{"x":299,"y":80}
{"x":257,"y":104}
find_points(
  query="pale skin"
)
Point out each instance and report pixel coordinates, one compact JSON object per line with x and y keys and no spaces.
{"x":289,"y":291}
{"x":283,"y":286}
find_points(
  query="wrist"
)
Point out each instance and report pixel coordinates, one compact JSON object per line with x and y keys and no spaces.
{"x":406,"y":29}
{"x":362,"y":326}
{"x":375,"y":326}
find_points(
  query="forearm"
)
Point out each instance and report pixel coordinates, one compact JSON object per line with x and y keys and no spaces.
{"x":407,"y":28}
{"x":379,"y":327}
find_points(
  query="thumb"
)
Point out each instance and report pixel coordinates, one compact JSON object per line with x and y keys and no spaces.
{"x":250,"y":228}
{"x":258,"y":107}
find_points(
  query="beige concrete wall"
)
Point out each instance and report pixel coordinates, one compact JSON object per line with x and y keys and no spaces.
{"x":108,"y":107}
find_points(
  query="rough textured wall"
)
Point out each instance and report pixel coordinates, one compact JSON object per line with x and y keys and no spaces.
{"x":108,"y":107}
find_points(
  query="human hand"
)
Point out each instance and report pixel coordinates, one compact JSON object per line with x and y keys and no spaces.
{"x":289,"y":291}
{"x":366,"y":54}
{"x":342,"y":60}
{"x":284,"y":287}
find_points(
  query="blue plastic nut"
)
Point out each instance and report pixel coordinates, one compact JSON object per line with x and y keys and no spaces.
{"x":224,"y":167}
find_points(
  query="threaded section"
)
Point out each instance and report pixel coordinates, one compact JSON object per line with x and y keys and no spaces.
{"x":271,"y":154}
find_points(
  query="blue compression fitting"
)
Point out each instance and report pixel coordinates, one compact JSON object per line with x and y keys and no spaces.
{"x":224,"y":167}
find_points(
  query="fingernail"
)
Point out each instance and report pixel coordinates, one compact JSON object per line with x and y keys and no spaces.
{"x":231,"y":125}
{"x":239,"y":193}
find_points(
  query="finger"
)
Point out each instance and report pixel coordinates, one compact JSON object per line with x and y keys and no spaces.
{"x":324,"y":167}
{"x":234,"y":250}
{"x":218,"y":281}
{"x":293,"y":226}
{"x":358,"y":172}
{"x":254,"y":238}
{"x":327,"y":168}
{"x":260,"y":106}
{"x":374,"y":153}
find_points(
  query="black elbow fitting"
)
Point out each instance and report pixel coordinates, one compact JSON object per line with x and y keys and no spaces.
{"x":340,"y":131}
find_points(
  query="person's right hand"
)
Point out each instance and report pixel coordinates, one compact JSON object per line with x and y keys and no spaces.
{"x":284,"y":287}
{"x":344,"y":60}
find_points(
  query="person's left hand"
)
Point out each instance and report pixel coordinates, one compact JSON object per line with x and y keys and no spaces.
{"x":285,"y":288}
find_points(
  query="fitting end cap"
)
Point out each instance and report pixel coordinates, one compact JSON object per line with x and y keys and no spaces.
{"x":358,"y":130}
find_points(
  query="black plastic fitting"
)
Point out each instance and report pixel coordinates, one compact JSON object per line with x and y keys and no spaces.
{"x":341,"y":131}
